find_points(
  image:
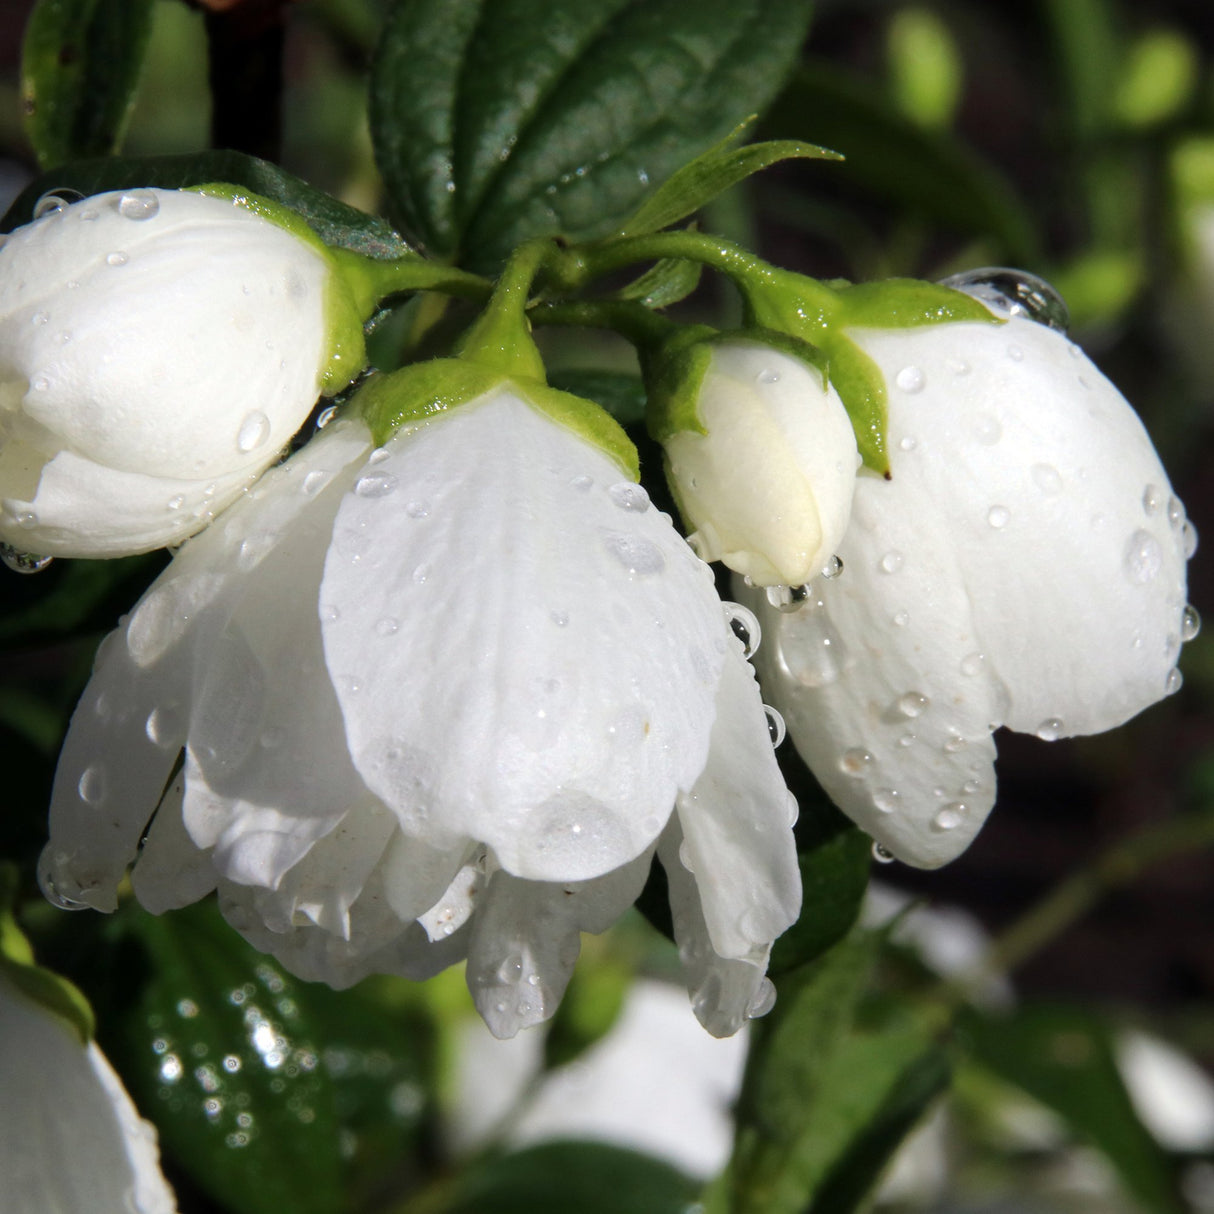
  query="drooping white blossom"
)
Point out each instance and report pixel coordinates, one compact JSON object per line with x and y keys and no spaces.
{"x":158,"y":348}
{"x":1024,"y":566}
{"x":71,"y":1141}
{"x":438,"y":699}
{"x":765,"y":476}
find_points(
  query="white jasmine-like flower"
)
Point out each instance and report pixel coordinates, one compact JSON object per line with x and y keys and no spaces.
{"x":71,"y":1141}
{"x":438,"y":699}
{"x":1024,"y":566}
{"x":158,"y":348}
{"x":764,"y":463}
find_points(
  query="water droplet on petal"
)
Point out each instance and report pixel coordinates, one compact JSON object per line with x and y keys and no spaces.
{"x":1188,"y":537}
{"x":254,"y":431}
{"x":1015,"y":353}
{"x":138,"y":205}
{"x":787,"y":598}
{"x":768,"y":376}
{"x":379,"y":455}
{"x":638,"y":555}
{"x":1174,"y":682}
{"x":886,"y":800}
{"x":325,"y":416}
{"x":1152,"y":500}
{"x":1190,"y":623}
{"x":629,"y":496}
{"x":582,"y":483}
{"x":972,"y":664}
{"x":176,"y":502}
{"x":375,"y":484}
{"x":910,"y":379}
{"x":794,"y":810}
{"x":764,"y":999}
{"x":117,"y":258}
{"x":854,"y":762}
{"x":55,"y":200}
{"x":913,"y":704}
{"x":1176,"y":513}
{"x":386,"y":626}
{"x":833,"y":568}
{"x":511,"y":969}
{"x":40,"y":383}
{"x":40,"y":318}
{"x":1048,"y":479}
{"x":954,"y":742}
{"x":685,"y":856}
{"x":744,"y":626}
{"x":892,"y":561}
{"x":950,"y":817}
{"x":91,"y":785}
{"x":775,"y":725}
{"x":1143,"y":558}
{"x":1050,"y":730}
{"x":1009,"y":292}
{"x":902,"y":618}
{"x":23,"y":562}
{"x":909,"y":443}
{"x":313,"y":482}
{"x":997,"y":516}
{"x":882,"y":854}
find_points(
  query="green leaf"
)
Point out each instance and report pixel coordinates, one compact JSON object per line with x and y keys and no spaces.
{"x":834,"y":876}
{"x":80,"y":65}
{"x":621,"y":394}
{"x":496,"y":122}
{"x":337,"y":224}
{"x":711,"y":174}
{"x":1062,"y":1056}
{"x":826,"y":1103}
{"x":927,"y":173}
{"x":261,"y":1084}
{"x":557,"y":1177}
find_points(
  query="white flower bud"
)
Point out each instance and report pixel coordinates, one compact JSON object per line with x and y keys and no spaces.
{"x":767,"y":482}
{"x":157,"y":350}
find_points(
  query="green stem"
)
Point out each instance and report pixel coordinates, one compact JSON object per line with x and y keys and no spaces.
{"x":632,"y":321}
{"x":371,"y":279}
{"x":1118,"y":866}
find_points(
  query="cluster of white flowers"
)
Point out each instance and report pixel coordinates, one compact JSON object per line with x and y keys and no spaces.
{"x":445,"y":691}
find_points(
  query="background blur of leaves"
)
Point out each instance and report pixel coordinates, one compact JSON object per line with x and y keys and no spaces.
{"x":1072,"y":137}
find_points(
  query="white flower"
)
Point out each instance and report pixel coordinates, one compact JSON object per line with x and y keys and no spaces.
{"x":157,"y":350}
{"x":765,"y":478}
{"x":1025,"y":566}
{"x":71,"y":1141}
{"x":471,"y":671}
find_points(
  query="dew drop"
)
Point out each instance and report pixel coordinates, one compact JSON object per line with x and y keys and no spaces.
{"x":909,"y":443}
{"x":950,"y":817}
{"x":913,"y":704}
{"x":1143,"y":558}
{"x":511,"y":969}
{"x":117,"y":258}
{"x":1174,"y":682}
{"x":23,"y":562}
{"x":417,"y":509}
{"x":882,"y":854}
{"x":973,"y":664}
{"x":910,"y":379}
{"x":1175,"y":512}
{"x":954,"y":742}
{"x":744,"y":626}
{"x":379,"y":455}
{"x":886,"y":800}
{"x":685,"y":856}
{"x":787,"y":598}
{"x":854,"y":762}
{"x":40,"y":318}
{"x":629,"y":496}
{"x":254,"y":431}
{"x":582,"y":483}
{"x":138,"y":205}
{"x":891,"y":562}
{"x":176,"y":502}
{"x":775,"y":725}
{"x":40,"y":383}
{"x":793,"y":810}
{"x":51,"y":202}
{"x":387,"y":626}
{"x":420,"y":574}
{"x":1050,"y":730}
{"x":1048,"y":479}
{"x":637,"y":555}
{"x":901,"y":618}
{"x":1009,"y":292}
{"x":325,"y":416}
{"x":1015,"y":353}
{"x":375,"y":484}
{"x":906,"y":740}
{"x":764,"y":999}
{"x":1190,"y":623}
{"x":1152,"y":500}
{"x":559,"y":618}
{"x":161,"y":726}
{"x":313,"y":482}
{"x":833,"y":568}
{"x":997,"y":516}
{"x":1188,"y":537}
{"x":768,"y":376}
{"x":91,"y":785}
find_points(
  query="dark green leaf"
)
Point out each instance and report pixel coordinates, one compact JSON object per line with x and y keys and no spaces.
{"x":333,"y":221}
{"x":496,"y":122}
{"x":587,"y":1012}
{"x":621,"y":394}
{"x":927,"y":173}
{"x":711,"y":174}
{"x":1063,"y":1057}
{"x":557,"y":1177}
{"x":79,"y":69}
{"x":250,"y":1074}
{"x":664,"y":283}
{"x":834,"y":876}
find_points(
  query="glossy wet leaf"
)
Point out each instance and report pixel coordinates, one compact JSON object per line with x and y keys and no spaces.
{"x":335,"y":222}
{"x":263,"y":1087}
{"x":559,"y":1177}
{"x":1062,"y":1056}
{"x":496,"y":122}
{"x":80,"y":67}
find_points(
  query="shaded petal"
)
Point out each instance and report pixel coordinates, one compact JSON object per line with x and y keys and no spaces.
{"x":527,"y":654}
{"x":172,"y":871}
{"x":1067,"y":539}
{"x":725,"y":992}
{"x":525,"y":940}
{"x":737,"y":824}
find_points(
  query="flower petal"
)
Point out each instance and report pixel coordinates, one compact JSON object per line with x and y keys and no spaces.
{"x":171,"y":871}
{"x":525,"y":940}
{"x":527,"y":653}
{"x":1068,"y":540}
{"x":737,"y":824}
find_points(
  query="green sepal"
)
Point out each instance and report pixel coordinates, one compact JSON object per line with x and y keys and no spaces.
{"x":418,"y":393}
{"x":711,"y":174}
{"x":903,"y":303}
{"x":674,"y":372}
{"x":43,"y":986}
{"x":666,"y":282}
